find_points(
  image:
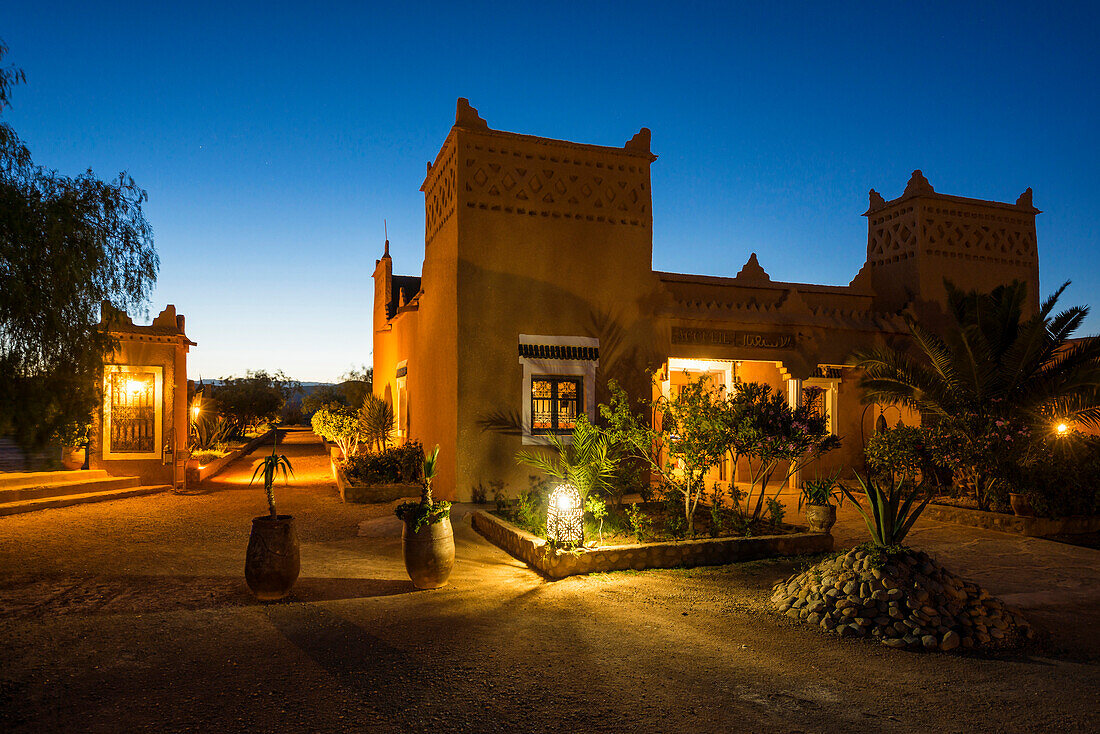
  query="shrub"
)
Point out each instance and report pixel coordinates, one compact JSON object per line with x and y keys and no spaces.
{"x":1065,"y":480}
{"x":340,"y":424}
{"x":896,"y":451}
{"x":396,"y":465}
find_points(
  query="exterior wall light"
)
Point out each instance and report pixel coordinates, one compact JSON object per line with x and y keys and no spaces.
{"x":195,"y":410}
{"x":565,"y":516}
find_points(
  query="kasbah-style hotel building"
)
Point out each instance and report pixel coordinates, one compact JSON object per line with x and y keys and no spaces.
{"x":538,"y":286}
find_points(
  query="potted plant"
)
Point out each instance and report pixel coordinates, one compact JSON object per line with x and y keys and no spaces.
{"x":427,"y":540}
{"x":272,"y":562}
{"x":817,"y":495}
{"x":1021,"y":504}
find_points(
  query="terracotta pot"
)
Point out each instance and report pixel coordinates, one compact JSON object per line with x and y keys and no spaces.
{"x":1021,"y":505}
{"x":72,"y":458}
{"x":820,"y":518}
{"x":272,"y":563}
{"x":429,"y":554}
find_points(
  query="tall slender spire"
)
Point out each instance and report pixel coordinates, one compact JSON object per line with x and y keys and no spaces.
{"x":386,"y":229}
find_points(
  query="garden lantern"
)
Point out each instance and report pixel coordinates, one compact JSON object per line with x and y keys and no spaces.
{"x":565,"y":516}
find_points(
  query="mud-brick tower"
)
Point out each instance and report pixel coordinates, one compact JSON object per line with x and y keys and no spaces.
{"x":919,"y":239}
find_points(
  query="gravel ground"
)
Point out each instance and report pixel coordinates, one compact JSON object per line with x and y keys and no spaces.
{"x":133,"y":616}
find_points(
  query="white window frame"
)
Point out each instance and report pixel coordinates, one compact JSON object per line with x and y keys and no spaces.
{"x":158,"y":401}
{"x":532,"y":367}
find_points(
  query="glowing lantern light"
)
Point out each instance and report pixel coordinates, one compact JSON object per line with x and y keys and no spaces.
{"x":565,"y":516}
{"x":195,"y":411}
{"x":1062,"y":428}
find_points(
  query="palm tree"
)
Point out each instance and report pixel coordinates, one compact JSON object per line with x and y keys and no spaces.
{"x":990,"y":364}
{"x":588,"y":462}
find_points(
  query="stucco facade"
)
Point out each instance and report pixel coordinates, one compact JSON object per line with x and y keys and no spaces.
{"x":141,"y":428}
{"x":538,"y":286}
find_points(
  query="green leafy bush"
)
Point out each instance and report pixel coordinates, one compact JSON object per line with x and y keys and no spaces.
{"x":897,"y":451}
{"x":1065,"y":480}
{"x":396,"y":465}
{"x":340,"y":424}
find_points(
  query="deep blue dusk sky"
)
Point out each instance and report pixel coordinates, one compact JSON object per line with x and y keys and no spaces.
{"x":274,"y":139}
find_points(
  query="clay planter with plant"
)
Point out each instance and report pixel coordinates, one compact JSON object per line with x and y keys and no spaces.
{"x":427,"y":540}
{"x":272,"y":562}
{"x":1021,"y":504}
{"x":817,"y":496}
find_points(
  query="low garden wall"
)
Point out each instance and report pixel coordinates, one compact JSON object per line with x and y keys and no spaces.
{"x":366,"y":493}
{"x":534,"y":552}
{"x":216,"y":466}
{"x":1030,"y":526}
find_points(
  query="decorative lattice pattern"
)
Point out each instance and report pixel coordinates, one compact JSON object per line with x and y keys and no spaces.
{"x":133,"y":413}
{"x":565,"y":516}
{"x":439,"y":196}
{"x":957,"y":231}
{"x":574,"y":185}
{"x":893,"y":236}
{"x":1000,"y":238}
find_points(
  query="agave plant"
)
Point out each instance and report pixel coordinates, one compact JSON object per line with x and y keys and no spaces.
{"x":376,"y":422}
{"x":271,"y":467}
{"x":894,"y":504}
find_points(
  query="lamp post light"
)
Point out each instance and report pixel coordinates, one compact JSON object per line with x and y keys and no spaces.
{"x":565,"y":516}
{"x":1061,"y":429}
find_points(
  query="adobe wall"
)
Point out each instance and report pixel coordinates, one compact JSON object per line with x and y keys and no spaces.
{"x":162,"y":344}
{"x":555,"y":238}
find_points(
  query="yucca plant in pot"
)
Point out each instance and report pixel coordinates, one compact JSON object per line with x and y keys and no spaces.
{"x":272,"y":562}
{"x":817,"y":496}
{"x":427,"y":539}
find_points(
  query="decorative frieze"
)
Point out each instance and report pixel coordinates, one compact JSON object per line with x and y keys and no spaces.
{"x":530,"y":180}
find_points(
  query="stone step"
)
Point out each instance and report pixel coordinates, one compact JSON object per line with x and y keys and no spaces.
{"x":14,"y":508}
{"x":43,"y":478}
{"x":74,"y":485}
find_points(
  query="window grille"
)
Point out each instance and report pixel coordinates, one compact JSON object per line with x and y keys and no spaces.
{"x":555,"y":404}
{"x":133,"y":413}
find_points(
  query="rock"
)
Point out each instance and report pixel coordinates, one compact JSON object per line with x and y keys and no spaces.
{"x":912,"y":601}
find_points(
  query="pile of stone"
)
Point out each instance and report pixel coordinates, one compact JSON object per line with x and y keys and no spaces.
{"x":905,"y":600}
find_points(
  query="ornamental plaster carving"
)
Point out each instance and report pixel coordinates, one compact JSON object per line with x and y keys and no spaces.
{"x":515,"y":178}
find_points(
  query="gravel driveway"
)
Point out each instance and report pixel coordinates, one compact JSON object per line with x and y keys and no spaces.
{"x":133,"y":616}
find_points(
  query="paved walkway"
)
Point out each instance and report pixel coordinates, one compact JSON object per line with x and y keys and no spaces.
{"x":133,"y":616}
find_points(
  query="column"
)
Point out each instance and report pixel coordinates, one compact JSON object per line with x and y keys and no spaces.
{"x":794,"y":399}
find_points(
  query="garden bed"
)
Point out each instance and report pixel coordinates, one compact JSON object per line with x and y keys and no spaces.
{"x":1005,"y":523}
{"x":202,"y":473}
{"x":537,"y":554}
{"x":368,"y":493}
